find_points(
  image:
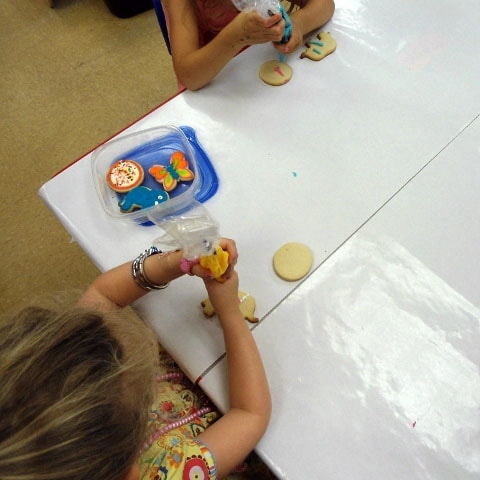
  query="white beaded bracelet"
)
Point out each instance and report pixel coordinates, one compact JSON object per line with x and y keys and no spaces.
{"x":139,"y":275}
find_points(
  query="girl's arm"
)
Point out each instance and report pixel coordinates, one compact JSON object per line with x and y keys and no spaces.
{"x":117,"y":288}
{"x":311,"y":15}
{"x":195,"y":65}
{"x":236,"y":434}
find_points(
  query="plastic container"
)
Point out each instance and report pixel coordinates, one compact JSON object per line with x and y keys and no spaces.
{"x":150,"y":147}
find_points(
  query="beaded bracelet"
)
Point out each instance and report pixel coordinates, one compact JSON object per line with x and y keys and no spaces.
{"x":139,"y":275}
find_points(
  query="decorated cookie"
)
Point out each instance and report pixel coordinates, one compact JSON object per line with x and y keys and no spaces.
{"x":247,"y":307}
{"x":275,"y":72}
{"x":319,"y":47}
{"x":217,"y":262}
{"x":142,"y":197}
{"x":125,"y":175}
{"x":177,"y":171}
{"x":292,"y":261}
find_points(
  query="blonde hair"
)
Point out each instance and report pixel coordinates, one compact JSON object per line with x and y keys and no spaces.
{"x":75,"y":391}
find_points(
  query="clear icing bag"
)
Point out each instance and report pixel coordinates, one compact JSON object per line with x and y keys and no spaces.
{"x":265,"y":8}
{"x":194,"y":231}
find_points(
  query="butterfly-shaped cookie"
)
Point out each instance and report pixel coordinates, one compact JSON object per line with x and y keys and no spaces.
{"x":170,"y":175}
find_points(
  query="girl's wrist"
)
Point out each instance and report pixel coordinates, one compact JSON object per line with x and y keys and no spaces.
{"x":229,"y":313}
{"x":298,"y":23}
{"x":172,"y":263}
{"x":139,"y":274}
{"x":234,"y":36}
{"x":163,"y":267}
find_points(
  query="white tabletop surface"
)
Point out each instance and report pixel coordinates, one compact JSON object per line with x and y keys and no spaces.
{"x":348,"y":157}
{"x":374,"y":361}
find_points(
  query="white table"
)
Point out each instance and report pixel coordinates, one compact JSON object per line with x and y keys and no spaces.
{"x":374,"y":361}
{"x":347,"y":158}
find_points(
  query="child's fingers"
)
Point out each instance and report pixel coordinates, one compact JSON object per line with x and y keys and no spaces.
{"x":293,"y":44}
{"x":273,"y":20}
{"x":230,"y":246}
{"x":220,"y":292}
{"x":201,"y":272}
{"x":228,"y":272}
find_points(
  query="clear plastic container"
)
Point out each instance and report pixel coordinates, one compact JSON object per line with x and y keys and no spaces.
{"x":150,"y":147}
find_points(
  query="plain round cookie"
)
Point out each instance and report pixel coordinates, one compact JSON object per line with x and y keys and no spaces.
{"x":292,"y":261}
{"x":275,"y":72}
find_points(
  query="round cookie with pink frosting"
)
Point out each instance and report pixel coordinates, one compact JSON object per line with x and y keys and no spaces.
{"x":125,"y":175}
{"x":275,"y":72}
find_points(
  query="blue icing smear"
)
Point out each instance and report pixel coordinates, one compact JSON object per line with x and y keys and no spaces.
{"x":142,"y":197}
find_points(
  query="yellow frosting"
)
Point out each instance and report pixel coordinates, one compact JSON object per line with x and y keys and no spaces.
{"x":216,"y":262}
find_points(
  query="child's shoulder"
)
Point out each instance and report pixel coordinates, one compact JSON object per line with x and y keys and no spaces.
{"x":180,"y":458}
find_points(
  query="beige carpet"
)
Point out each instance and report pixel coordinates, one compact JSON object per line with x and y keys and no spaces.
{"x":70,"y":77}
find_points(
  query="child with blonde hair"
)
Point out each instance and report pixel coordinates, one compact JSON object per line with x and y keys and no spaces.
{"x":78,"y":386}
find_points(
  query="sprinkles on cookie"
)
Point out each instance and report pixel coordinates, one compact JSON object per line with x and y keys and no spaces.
{"x":124,"y":176}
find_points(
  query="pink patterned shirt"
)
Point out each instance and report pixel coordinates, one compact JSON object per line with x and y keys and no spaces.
{"x":213,"y":16}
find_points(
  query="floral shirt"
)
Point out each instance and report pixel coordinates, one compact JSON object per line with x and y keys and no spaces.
{"x":184,"y":460}
{"x":175,"y":453}
{"x":179,"y":414}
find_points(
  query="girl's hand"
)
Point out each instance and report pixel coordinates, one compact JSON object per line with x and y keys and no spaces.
{"x":252,"y":29}
{"x":224,"y":295}
{"x":229,"y":246}
{"x":295,"y":41}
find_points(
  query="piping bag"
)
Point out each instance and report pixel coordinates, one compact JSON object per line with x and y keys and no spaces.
{"x":267,"y":8}
{"x":197,"y":234}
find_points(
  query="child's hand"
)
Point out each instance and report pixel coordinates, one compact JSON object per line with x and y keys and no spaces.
{"x":229,"y":246}
{"x":254,"y":29}
{"x":224,"y":295}
{"x":295,"y":41}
